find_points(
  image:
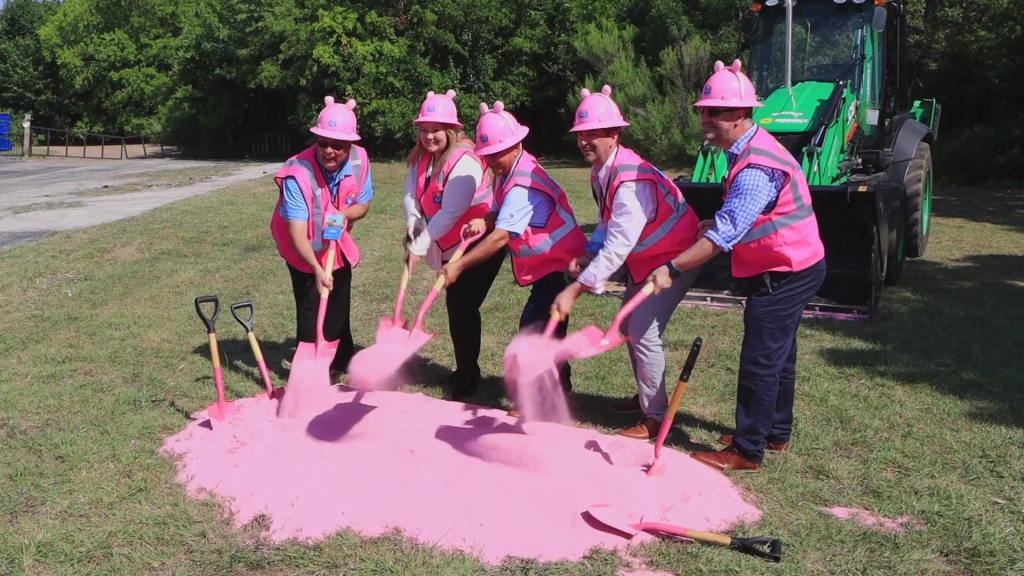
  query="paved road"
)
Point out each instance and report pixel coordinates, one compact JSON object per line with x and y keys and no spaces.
{"x":57,"y":180}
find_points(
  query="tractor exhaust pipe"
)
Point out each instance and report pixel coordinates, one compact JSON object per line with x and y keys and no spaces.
{"x":789,"y":45}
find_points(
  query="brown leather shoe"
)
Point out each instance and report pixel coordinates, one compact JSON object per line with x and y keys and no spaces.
{"x":726,"y":459}
{"x":627,"y":405}
{"x":646,"y":429}
{"x":772,"y":446}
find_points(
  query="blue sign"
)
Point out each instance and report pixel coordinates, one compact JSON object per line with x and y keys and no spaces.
{"x":335,"y":223}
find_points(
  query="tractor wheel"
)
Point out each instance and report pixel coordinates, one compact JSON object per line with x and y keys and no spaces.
{"x":918,"y":183}
{"x":897,"y":250}
{"x":876,"y":273}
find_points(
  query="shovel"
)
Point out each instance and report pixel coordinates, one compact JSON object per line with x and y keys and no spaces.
{"x":531,"y":375}
{"x":247,"y":324}
{"x":221,"y":409}
{"x":591,"y":341}
{"x":310,"y":376}
{"x":677,"y":396}
{"x":760,"y":546}
{"x":395,"y":330}
{"x":374,"y":367}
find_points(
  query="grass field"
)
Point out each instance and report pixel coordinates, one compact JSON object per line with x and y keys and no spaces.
{"x":918,"y":412}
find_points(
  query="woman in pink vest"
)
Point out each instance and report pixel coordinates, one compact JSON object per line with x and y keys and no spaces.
{"x":643,"y":222}
{"x":330,"y":178}
{"x":768,"y":224}
{"x":532,"y":217}
{"x":447,"y":187}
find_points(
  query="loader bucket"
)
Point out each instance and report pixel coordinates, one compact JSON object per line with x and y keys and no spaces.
{"x":853,"y":221}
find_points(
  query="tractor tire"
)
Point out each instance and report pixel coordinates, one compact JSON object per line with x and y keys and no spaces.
{"x":918,"y":183}
{"x":897,"y":250}
{"x":877,"y":283}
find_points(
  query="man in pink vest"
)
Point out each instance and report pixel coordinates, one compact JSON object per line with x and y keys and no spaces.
{"x":643,"y":222}
{"x":768,"y":224}
{"x":330,"y":178}
{"x":532,"y":217}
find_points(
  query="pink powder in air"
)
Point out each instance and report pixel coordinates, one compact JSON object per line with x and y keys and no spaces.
{"x":532,"y":380}
{"x":872,"y":520}
{"x":446,"y":473}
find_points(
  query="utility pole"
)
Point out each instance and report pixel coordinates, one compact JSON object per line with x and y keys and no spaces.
{"x":26,"y":138}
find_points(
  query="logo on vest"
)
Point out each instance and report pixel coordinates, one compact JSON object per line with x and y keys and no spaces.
{"x":437,"y":198}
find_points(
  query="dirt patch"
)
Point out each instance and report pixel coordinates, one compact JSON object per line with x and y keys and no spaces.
{"x":51,"y":205}
{"x":159,"y":179}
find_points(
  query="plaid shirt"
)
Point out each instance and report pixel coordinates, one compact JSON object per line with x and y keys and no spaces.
{"x":755,"y":191}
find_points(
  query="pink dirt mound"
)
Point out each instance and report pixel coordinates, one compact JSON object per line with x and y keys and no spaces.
{"x":446,"y":473}
{"x":872,"y":520}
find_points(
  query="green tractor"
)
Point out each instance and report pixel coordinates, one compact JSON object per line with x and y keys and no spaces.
{"x":833,"y":78}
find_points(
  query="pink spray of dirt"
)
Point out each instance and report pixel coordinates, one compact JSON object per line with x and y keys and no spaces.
{"x":872,"y":520}
{"x":448,"y":474}
{"x":532,"y":380}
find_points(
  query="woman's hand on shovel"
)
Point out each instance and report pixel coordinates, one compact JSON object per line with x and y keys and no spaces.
{"x":323,"y":280}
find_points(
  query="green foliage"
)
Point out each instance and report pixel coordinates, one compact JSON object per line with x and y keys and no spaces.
{"x":656,"y":101}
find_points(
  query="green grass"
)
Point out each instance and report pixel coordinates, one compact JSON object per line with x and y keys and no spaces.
{"x":51,"y":205}
{"x":102,"y":356}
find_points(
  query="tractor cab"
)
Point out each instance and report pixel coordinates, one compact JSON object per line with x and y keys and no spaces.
{"x":831,"y":75}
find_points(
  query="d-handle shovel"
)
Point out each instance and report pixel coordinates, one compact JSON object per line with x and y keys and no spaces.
{"x":221,"y":409}
{"x":247,"y":324}
{"x":677,"y":396}
{"x":760,"y":546}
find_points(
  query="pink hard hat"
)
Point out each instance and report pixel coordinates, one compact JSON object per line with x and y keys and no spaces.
{"x":728,"y":88}
{"x":597,"y":111}
{"x":497,"y":130}
{"x":439,"y":108}
{"x":336,"y":121}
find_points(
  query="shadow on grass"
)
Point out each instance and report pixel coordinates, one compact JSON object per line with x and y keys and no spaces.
{"x":1003,"y":207}
{"x":956,"y":327}
{"x":236,"y":356}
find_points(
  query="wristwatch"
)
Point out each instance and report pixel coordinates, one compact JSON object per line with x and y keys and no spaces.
{"x":673,"y":272}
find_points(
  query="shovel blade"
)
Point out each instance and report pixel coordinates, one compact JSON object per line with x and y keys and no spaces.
{"x":309,"y":382}
{"x":221,"y":411}
{"x":390,"y":331}
{"x":590,"y":342}
{"x":612,"y":518}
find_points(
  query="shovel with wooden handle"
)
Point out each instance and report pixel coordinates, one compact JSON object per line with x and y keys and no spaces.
{"x":221,"y":409}
{"x":677,"y":396}
{"x":255,"y":345}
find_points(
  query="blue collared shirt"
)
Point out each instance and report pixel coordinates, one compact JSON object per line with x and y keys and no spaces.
{"x":295,"y":207}
{"x":523,"y":207}
{"x":755,"y":191}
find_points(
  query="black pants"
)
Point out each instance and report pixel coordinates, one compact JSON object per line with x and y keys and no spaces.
{"x":538,"y":309}
{"x":336,"y":318}
{"x":463,"y":300}
{"x":767,"y":378}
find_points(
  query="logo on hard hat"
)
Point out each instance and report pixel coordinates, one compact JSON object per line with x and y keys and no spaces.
{"x":583,"y":114}
{"x":332,"y":123}
{"x":431,"y":109}
{"x":707,"y":90}
{"x":483,"y":138}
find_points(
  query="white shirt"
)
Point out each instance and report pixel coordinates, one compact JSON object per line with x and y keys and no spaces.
{"x":635,"y":205}
{"x":456,"y":199}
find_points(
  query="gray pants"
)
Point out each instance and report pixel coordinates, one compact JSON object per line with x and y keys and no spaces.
{"x":645,"y":327}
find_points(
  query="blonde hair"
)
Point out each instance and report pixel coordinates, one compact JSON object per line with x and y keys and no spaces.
{"x":453,"y":137}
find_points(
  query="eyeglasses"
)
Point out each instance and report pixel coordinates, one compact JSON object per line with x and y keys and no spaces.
{"x":334,"y":144}
{"x":714,"y":112}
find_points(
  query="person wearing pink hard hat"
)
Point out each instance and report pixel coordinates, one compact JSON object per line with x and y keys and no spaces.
{"x":447,"y":187}
{"x":330,"y":179}
{"x":767,"y":224}
{"x":643,"y":221}
{"x":532,"y":217}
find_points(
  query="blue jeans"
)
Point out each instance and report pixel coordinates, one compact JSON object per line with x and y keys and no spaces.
{"x":767,"y":378}
{"x":538,"y":310}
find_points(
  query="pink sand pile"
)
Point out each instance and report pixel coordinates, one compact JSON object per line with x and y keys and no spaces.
{"x":872,"y":520}
{"x":446,"y":473}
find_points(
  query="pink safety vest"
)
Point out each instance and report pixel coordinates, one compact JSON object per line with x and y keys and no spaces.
{"x":429,"y":194}
{"x":674,"y":226}
{"x":785,"y":239}
{"x":540,"y":251}
{"x":307,"y":173}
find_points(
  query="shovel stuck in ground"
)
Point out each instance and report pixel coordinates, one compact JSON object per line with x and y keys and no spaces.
{"x":221,"y":409}
{"x":246,"y":323}
{"x":591,"y":341}
{"x":376,"y":367}
{"x":677,"y":396}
